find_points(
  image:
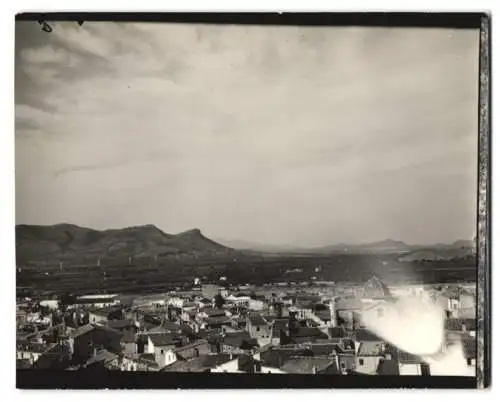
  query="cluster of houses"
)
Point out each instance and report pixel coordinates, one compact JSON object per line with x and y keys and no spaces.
{"x":221,"y":331}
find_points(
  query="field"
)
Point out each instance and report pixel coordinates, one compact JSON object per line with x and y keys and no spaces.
{"x":149,"y":275}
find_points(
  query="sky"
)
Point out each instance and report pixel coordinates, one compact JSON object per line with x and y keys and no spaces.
{"x":303,"y":136}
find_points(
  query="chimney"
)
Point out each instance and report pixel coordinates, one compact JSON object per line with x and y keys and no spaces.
{"x":333,"y":314}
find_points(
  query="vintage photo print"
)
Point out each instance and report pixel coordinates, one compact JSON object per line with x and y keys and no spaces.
{"x":252,"y":200}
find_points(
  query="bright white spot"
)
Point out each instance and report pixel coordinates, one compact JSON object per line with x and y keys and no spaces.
{"x":416,"y":326}
{"x":411,"y":324}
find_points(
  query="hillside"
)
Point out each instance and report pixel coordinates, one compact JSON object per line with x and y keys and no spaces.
{"x":68,"y":242}
{"x":439,"y":254}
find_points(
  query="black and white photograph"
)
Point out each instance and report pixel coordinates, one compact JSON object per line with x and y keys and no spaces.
{"x":245,"y":201}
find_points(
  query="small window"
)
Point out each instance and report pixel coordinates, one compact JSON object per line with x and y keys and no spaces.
{"x":361,"y":362}
{"x":469,"y":362}
{"x":342,"y":365}
{"x":258,"y":329}
{"x":161,"y":351}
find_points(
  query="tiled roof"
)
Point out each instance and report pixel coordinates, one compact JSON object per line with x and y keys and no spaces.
{"x":82,"y":330}
{"x":364,"y":335}
{"x":256,"y":319}
{"x":323,"y":314}
{"x":163,"y":339}
{"x":323,"y":349}
{"x":101,"y":356}
{"x":217,"y":320}
{"x":239,"y":339}
{"x":277,"y":356}
{"x":149,"y":325}
{"x":306,"y":305}
{"x":213,"y":312}
{"x":308,"y":332}
{"x":306,"y":365}
{"x":198,"y":364}
{"x":337,"y":332}
{"x":105,"y":311}
{"x":194,"y":344}
{"x":207,"y":333}
{"x":120,"y":324}
{"x":171,"y":326}
{"x":54,"y":358}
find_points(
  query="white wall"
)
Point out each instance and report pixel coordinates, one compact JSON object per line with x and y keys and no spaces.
{"x":52,"y":304}
{"x":409,"y":369}
{"x":229,"y":367}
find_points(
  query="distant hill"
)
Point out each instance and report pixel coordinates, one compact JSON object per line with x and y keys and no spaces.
{"x":66,"y":242}
{"x":441,"y":252}
{"x":255,"y":246}
{"x":409,"y":252}
{"x":384,"y":246}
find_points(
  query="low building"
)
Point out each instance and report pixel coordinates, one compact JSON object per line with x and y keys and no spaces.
{"x":411,"y":365}
{"x":238,"y":343}
{"x":258,"y":327}
{"x":105,"y":314}
{"x":88,"y":339}
{"x":201,"y":364}
{"x":310,"y":365}
{"x":97,"y":301}
{"x":194,"y":349}
{"x":52,"y":304}
{"x":368,"y":357}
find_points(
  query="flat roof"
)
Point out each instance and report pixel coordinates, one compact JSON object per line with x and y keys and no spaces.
{"x":96,"y":297}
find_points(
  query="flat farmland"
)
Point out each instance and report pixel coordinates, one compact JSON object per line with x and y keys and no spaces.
{"x":151,"y":276}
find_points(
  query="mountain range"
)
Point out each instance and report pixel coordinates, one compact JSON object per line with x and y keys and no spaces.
{"x":71,"y":242}
{"x":66,"y":241}
{"x":384,"y":246}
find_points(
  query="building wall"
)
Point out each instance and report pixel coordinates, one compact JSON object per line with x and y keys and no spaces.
{"x":149,"y":347}
{"x":165,"y":355}
{"x":410,"y":369}
{"x":271,"y":370}
{"x":229,"y":367}
{"x":346,"y":362}
{"x":94,"y":318}
{"x":51,"y":304}
{"x":82,"y":347}
{"x":203,"y":349}
{"x":259,"y":331}
{"x":256,"y":305}
{"x":129,"y":347}
{"x":367,"y":364}
{"x":31,"y":356}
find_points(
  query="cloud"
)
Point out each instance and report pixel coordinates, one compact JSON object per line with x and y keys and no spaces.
{"x":313,"y":118}
{"x":49,"y":55}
